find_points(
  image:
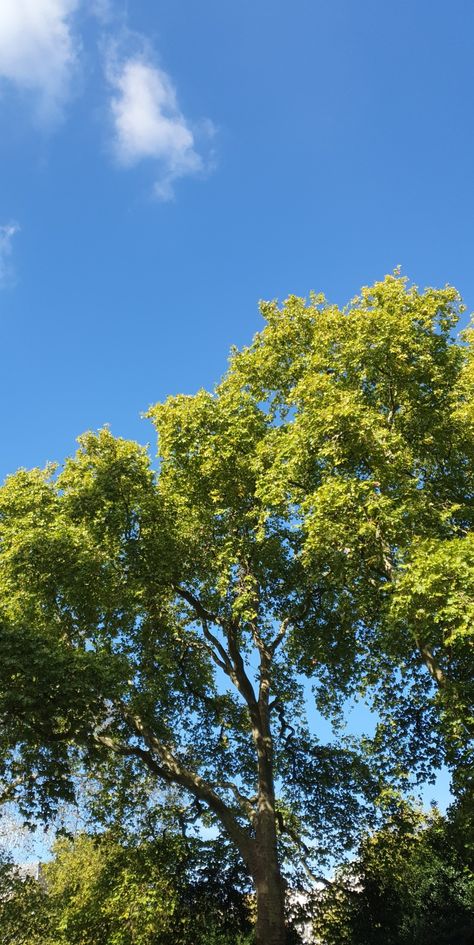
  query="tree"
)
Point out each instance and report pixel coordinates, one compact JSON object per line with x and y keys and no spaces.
{"x":310,"y":518}
{"x":411,"y":884}
{"x":101,"y":891}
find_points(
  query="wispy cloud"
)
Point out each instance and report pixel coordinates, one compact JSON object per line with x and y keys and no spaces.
{"x":39,"y":51}
{"x":148,"y":123}
{"x":7,"y":232}
{"x":105,"y":11}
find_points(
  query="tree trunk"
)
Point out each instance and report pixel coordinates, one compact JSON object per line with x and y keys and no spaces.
{"x":270,"y":927}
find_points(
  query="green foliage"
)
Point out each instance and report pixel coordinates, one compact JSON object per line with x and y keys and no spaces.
{"x":411,"y":884}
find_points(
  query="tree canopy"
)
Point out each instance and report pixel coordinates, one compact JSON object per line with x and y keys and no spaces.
{"x":309,"y":519}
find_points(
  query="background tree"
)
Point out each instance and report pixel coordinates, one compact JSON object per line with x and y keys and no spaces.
{"x":169,"y":891}
{"x":298,"y":525}
{"x":411,"y":884}
{"x":25,"y":913}
{"x":103,"y":891}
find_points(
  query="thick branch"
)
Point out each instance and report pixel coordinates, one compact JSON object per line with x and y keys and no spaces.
{"x":432,"y":665}
{"x":234,"y":667}
{"x":305,"y":854}
{"x":7,"y":793}
{"x":216,"y":650}
{"x":162,"y":762}
{"x":239,"y":677}
{"x":211,"y":642}
{"x":230,"y":662}
{"x":280,"y":635}
{"x":244,"y":802}
{"x":427,"y":656}
{"x":194,"y":601}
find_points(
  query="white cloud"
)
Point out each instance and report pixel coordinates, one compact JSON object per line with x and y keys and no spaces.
{"x":7,"y":233}
{"x":38,"y":51}
{"x":148,"y":123}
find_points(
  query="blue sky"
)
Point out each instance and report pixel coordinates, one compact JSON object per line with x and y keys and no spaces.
{"x":166,"y":163}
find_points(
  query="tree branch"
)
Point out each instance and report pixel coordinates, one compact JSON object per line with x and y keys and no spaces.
{"x":305,"y":854}
{"x":280,"y":635}
{"x":194,"y":601}
{"x":219,"y":655}
{"x":432,"y":665}
{"x":230,"y":661}
{"x":162,"y":762}
{"x":239,"y":675}
{"x":244,"y":802}
{"x":7,"y":793}
{"x":427,"y":656}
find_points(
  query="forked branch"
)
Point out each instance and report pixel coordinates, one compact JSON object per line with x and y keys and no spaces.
{"x":161,"y":762}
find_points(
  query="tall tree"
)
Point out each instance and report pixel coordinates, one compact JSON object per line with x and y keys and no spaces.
{"x":309,"y":518}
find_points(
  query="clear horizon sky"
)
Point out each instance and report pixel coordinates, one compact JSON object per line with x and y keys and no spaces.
{"x":165,"y":164}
